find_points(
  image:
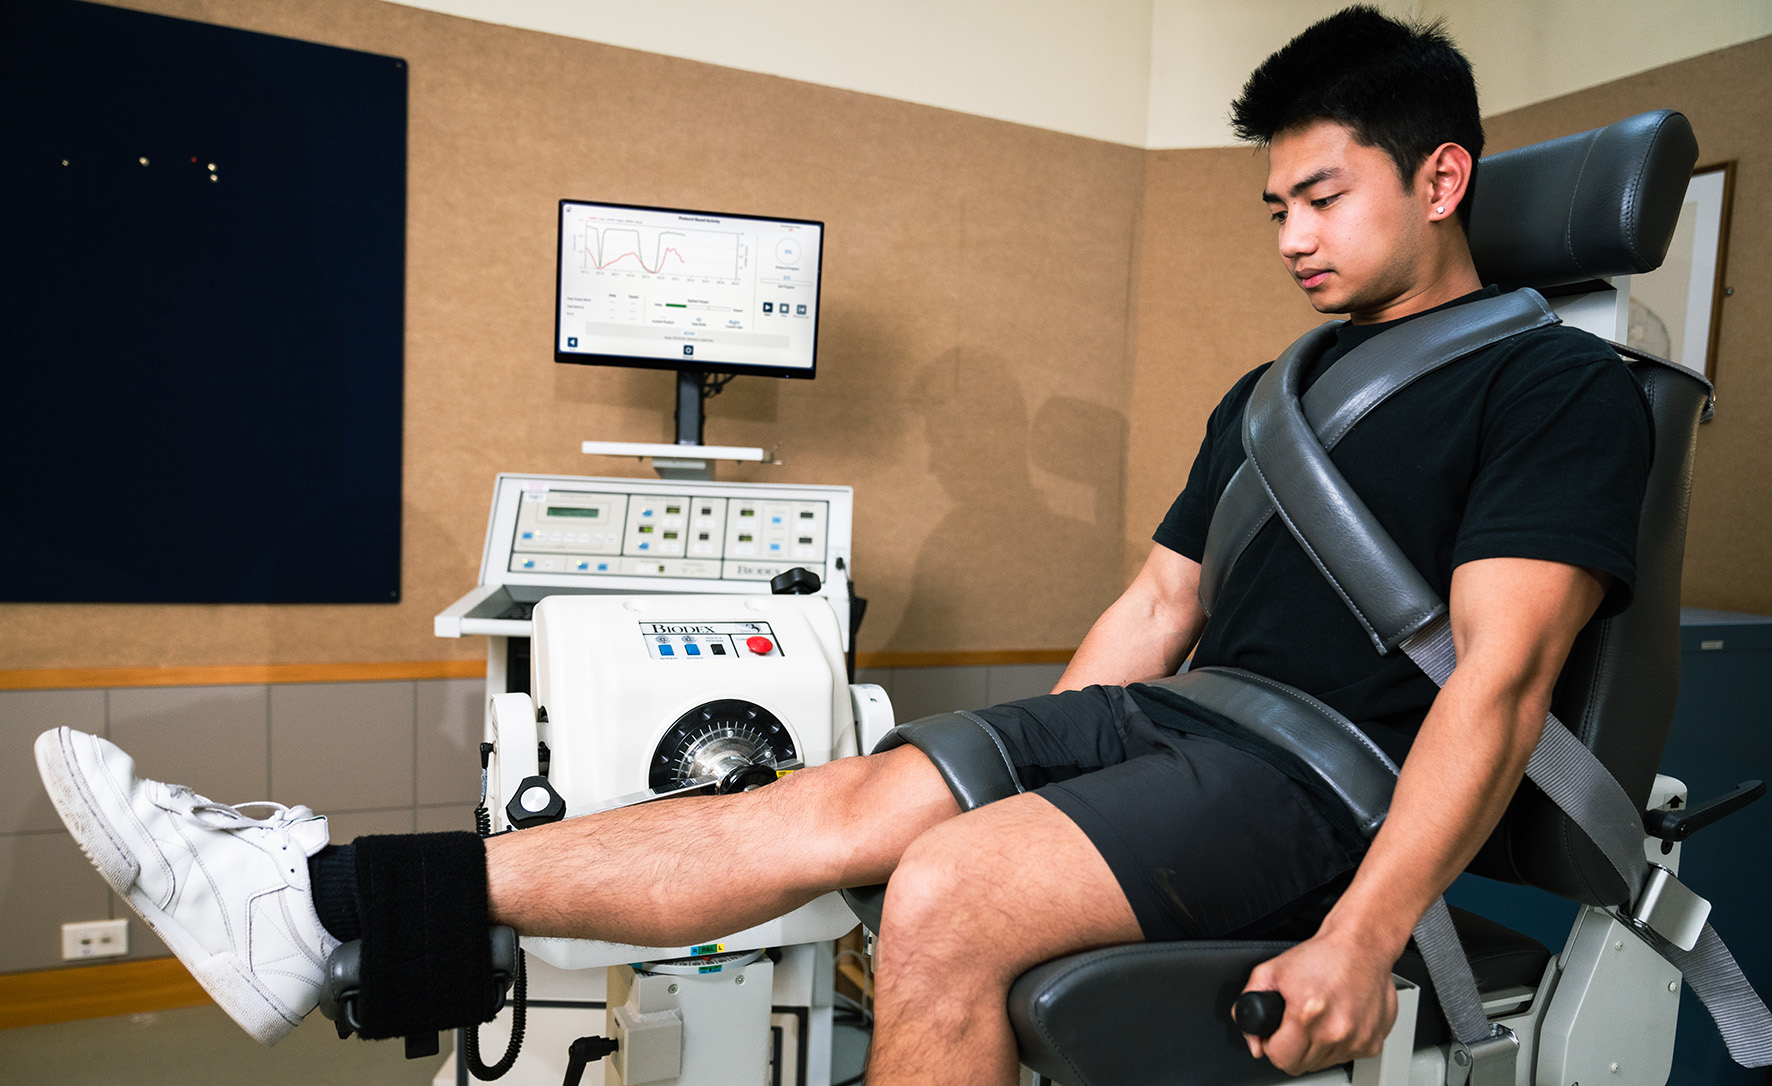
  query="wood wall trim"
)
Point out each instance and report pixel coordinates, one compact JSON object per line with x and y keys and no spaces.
{"x":985,"y":658}
{"x":239,"y":675}
{"x":96,"y":991}
{"x":85,"y":678}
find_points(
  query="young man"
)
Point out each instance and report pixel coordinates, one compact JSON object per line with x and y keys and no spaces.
{"x":1512,"y":479}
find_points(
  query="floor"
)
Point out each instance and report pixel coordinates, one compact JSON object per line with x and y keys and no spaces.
{"x":200,"y":1045}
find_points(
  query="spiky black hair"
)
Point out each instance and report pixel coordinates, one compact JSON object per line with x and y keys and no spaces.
{"x":1402,"y":88}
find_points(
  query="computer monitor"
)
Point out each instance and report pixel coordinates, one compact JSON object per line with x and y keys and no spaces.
{"x":697,"y":291}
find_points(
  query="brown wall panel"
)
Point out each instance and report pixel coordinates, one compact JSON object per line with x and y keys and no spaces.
{"x":974,"y":366}
{"x":1728,"y":97}
{"x":1023,"y":331}
{"x":1213,"y":301}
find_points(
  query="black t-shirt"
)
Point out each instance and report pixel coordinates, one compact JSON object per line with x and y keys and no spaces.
{"x":1535,"y":447}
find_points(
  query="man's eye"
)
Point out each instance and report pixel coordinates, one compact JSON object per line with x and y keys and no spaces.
{"x":1322,"y":202}
{"x":1278,"y":216}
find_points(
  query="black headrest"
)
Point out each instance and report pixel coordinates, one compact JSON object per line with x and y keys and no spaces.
{"x":1587,"y":206}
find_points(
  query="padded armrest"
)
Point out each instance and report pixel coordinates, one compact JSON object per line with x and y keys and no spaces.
{"x":1136,"y":1014}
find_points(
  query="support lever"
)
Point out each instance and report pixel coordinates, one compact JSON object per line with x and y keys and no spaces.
{"x":1672,"y":827}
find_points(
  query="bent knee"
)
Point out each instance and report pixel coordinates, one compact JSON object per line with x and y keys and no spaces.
{"x":1015,"y":874}
{"x":938,"y":890}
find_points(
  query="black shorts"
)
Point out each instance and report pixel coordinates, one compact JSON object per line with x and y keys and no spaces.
{"x":1206,"y":841}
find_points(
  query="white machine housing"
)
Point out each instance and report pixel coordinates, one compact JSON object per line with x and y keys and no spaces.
{"x":614,"y":673}
{"x":619,"y":677}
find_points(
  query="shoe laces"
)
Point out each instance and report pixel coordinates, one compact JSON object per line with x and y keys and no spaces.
{"x":233,"y":817}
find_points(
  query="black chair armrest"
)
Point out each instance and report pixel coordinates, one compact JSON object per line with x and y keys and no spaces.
{"x":1147,"y":1013}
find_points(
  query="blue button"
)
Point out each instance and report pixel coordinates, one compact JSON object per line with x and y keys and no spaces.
{"x":602,"y":567}
{"x":528,"y":563}
{"x":584,"y":565}
{"x":666,"y":650}
{"x":528,"y":535}
{"x":645,"y":546}
{"x":692,"y":650}
{"x":775,"y":546}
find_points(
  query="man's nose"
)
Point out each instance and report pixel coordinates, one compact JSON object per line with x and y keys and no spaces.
{"x":1296,"y":237}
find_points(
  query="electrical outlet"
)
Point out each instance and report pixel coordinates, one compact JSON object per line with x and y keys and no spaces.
{"x":95,"y":939}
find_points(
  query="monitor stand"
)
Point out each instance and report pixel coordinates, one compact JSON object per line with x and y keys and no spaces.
{"x":688,"y":458}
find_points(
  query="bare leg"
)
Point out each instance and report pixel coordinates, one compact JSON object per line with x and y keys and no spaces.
{"x":977,"y":901}
{"x":682,"y":871}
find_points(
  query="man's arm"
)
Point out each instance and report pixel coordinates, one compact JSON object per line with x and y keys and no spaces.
{"x":1147,"y":632}
{"x":1513,"y":621}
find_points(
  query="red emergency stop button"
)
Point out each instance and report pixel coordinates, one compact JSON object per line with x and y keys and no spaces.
{"x":761,"y":646}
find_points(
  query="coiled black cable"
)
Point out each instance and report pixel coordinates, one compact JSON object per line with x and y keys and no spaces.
{"x":519,"y":983}
{"x":519,"y":1016}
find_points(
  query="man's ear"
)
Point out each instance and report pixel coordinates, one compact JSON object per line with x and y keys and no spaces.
{"x":1444,"y":179}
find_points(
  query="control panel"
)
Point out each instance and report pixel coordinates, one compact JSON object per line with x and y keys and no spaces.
{"x":705,"y":535}
{"x":564,"y":534}
{"x":709,"y":640}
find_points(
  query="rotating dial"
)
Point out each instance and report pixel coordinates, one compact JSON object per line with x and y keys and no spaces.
{"x":713,"y":741}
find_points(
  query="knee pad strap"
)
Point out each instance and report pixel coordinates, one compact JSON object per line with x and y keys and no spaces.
{"x":967,"y":753}
{"x":970,"y":757}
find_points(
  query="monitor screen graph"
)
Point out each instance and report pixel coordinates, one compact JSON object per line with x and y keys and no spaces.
{"x":666,"y":288}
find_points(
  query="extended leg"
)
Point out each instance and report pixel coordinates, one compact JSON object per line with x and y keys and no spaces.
{"x":680,"y":871}
{"x":231,"y":894}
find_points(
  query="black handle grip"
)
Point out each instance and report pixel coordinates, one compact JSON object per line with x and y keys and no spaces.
{"x":1675,"y":826}
{"x":1259,"y":1013}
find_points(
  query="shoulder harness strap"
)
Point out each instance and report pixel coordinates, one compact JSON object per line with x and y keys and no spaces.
{"x":1287,"y":438}
{"x":1357,"y":383}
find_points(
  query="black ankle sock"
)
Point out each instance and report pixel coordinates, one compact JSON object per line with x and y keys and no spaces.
{"x":332,"y":872}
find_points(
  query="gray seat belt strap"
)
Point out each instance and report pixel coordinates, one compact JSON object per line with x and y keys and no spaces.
{"x":1396,"y":607}
{"x":1575,"y":780}
{"x":1563,"y":768}
{"x":1718,"y":983}
{"x":1362,"y":777}
{"x":1353,"y":386}
{"x":1454,"y":983}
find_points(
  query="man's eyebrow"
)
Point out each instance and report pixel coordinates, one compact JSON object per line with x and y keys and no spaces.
{"x":1320,"y":176}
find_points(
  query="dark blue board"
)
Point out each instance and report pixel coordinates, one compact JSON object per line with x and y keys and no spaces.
{"x":203,"y":367}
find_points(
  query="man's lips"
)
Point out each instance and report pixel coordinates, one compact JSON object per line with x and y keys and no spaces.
{"x":1308,"y":277}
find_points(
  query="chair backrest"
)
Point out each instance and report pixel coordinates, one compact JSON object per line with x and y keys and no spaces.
{"x":1568,"y":211}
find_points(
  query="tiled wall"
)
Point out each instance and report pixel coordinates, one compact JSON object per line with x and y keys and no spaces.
{"x":924,"y":691}
{"x":374,"y":757}
{"x":382,"y":757}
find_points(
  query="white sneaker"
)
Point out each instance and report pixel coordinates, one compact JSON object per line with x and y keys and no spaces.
{"x":228,"y":893}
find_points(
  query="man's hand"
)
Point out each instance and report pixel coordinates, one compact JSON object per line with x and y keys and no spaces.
{"x":1340,"y":1003}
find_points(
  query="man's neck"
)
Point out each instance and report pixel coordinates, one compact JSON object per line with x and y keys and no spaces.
{"x":1448,"y":275}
